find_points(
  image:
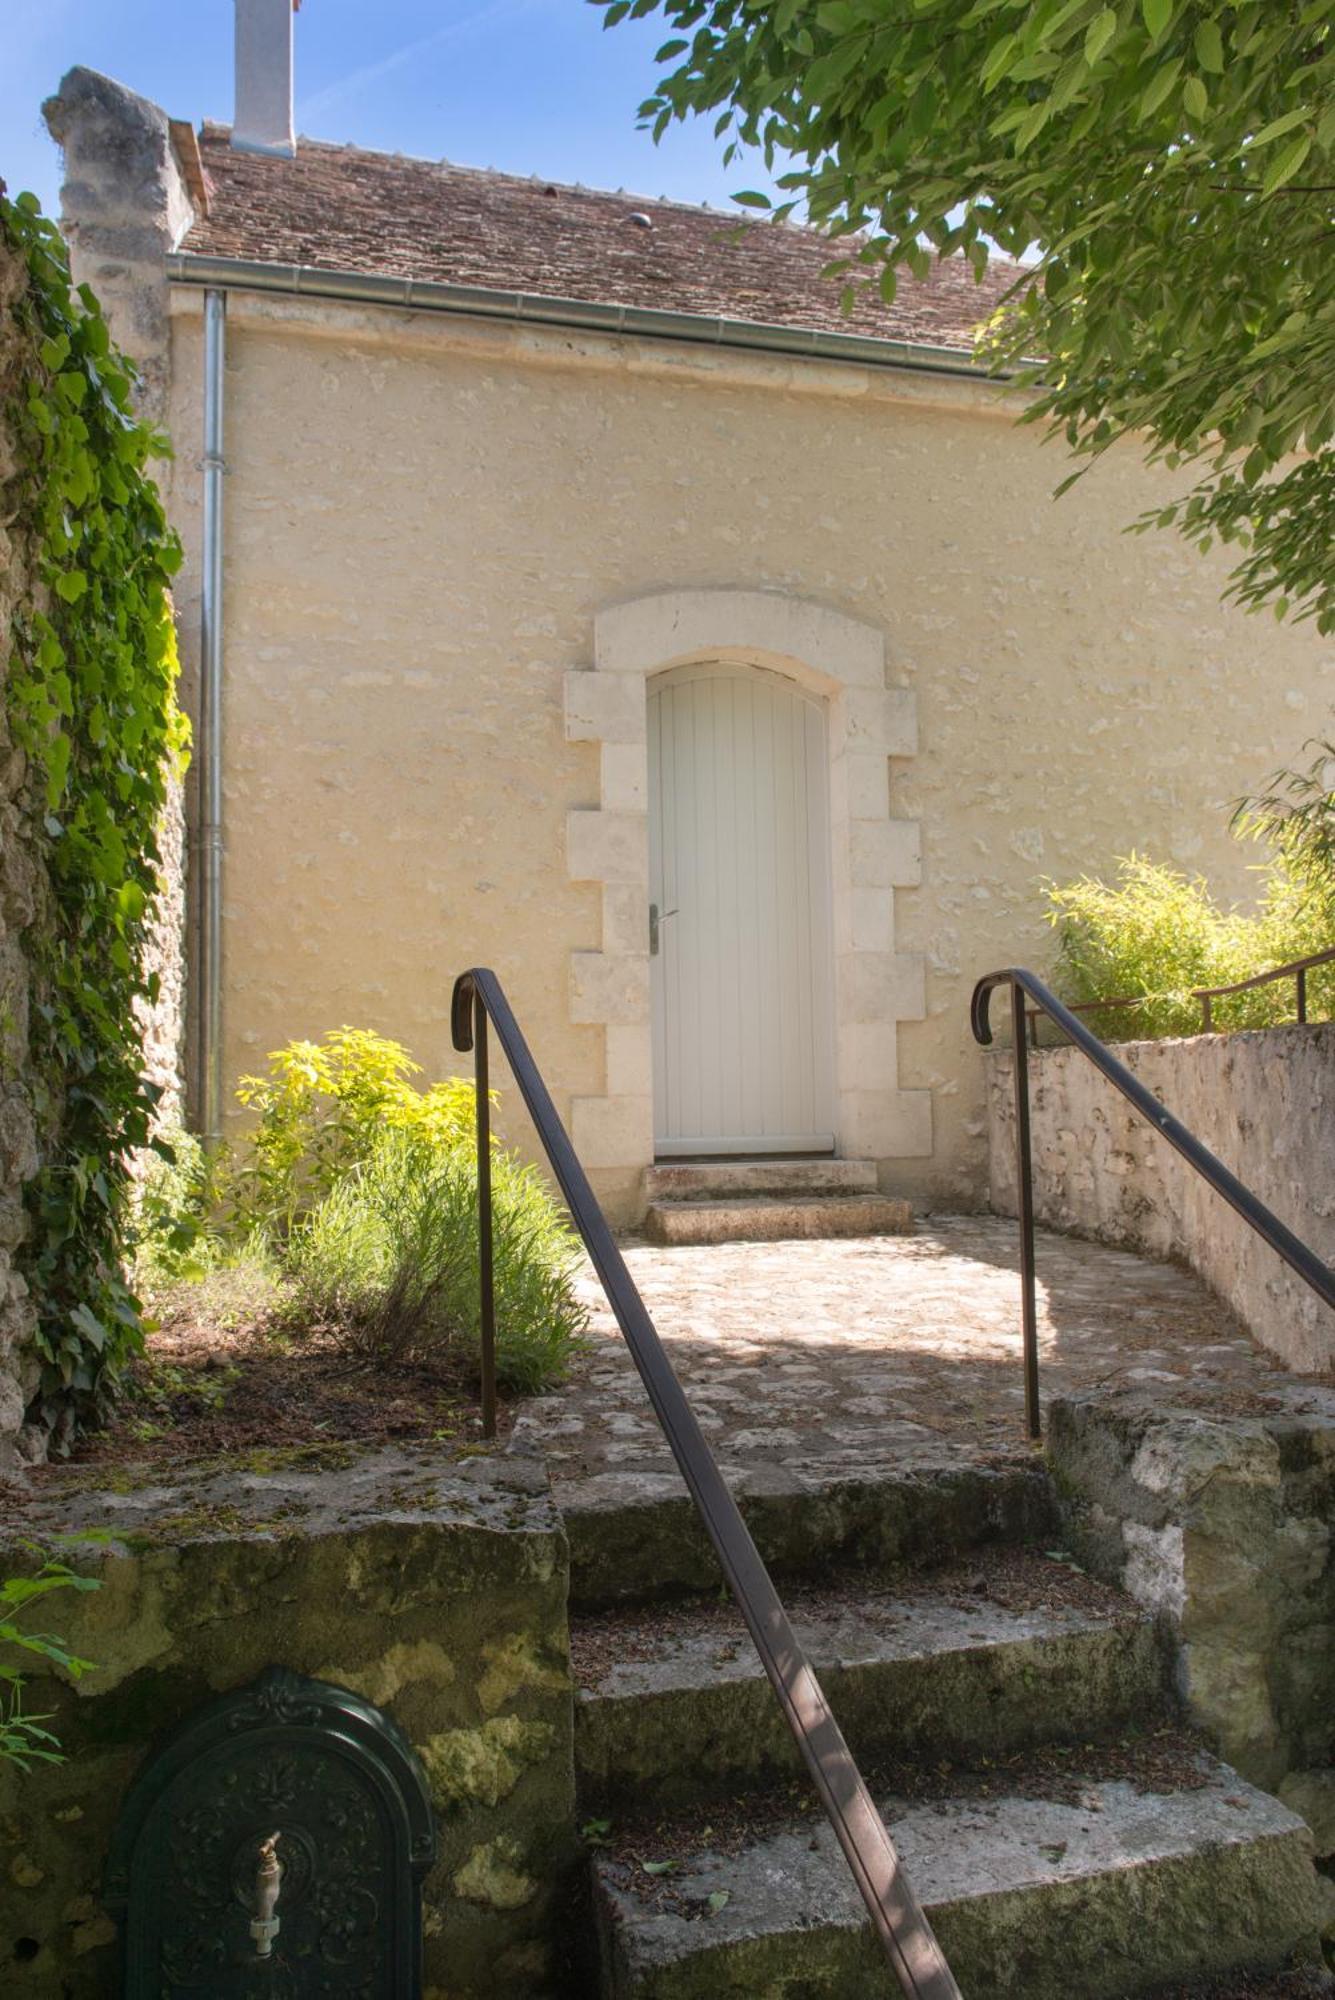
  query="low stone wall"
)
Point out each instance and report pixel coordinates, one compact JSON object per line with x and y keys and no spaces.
{"x":1264,"y":1102}
{"x":435,"y":1588}
{"x":1228,"y":1530}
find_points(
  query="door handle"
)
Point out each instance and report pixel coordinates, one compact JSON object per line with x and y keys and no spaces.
{"x":656,"y":917}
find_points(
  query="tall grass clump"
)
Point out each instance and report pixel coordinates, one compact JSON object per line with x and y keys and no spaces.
{"x":1156,"y":934}
{"x":352,"y":1209}
{"x":386,"y":1263}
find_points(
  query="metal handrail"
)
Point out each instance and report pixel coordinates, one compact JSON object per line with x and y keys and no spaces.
{"x":899,"y":1919}
{"x":1085,"y":1007}
{"x":1296,"y":1254}
{"x":1297,"y":969}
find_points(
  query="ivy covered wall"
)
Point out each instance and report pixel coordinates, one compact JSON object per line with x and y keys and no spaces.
{"x":90,"y":735}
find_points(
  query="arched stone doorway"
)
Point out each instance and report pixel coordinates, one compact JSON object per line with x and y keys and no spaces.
{"x":841,"y":661}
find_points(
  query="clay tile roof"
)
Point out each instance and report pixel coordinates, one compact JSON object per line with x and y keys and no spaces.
{"x":342,"y":209}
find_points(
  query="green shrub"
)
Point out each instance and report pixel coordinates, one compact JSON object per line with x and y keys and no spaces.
{"x":1158,"y":934}
{"x":171,"y":1234}
{"x":1296,"y":814}
{"x":351,"y":1213}
{"x":319,"y":1114}
{"x":386,"y":1264}
{"x":1297,"y":922}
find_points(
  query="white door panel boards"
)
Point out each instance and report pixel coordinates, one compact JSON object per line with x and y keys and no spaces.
{"x":740,"y":877}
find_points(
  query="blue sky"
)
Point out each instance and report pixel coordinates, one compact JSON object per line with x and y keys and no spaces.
{"x":530,"y":86}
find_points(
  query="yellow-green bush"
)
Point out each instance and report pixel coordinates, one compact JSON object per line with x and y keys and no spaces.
{"x":1157,"y":934}
{"x":320,"y":1112}
{"x":356,"y":1192}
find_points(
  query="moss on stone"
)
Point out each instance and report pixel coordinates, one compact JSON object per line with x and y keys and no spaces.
{"x":493,"y":1876}
{"x":402,"y":1665}
{"x":521,"y":1660}
{"x":482,"y":1766}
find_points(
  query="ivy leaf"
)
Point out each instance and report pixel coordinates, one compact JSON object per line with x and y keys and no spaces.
{"x":90,"y":1326}
{"x":89,"y":696}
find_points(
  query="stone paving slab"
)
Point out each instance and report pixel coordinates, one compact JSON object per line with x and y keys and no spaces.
{"x":1102,"y":1899}
{"x":819,"y":1359}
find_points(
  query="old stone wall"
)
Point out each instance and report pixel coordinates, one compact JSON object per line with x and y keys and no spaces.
{"x":1263,"y":1102}
{"x":22,"y":894}
{"x":1226,"y":1528}
{"x":435,"y":1588}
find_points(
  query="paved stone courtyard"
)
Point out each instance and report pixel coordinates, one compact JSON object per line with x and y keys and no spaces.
{"x":810,"y":1358}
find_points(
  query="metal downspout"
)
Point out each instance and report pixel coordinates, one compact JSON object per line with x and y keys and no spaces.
{"x":210,"y":832}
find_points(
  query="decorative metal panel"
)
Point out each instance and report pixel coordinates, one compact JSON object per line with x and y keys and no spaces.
{"x":273,"y":1849}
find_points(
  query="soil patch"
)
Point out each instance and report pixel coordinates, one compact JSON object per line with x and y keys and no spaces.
{"x":218,"y":1377}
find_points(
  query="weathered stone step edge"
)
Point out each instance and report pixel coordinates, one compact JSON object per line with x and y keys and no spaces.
{"x":636,"y":1537}
{"x":700,"y":1719}
{"x":775,"y":1218}
{"x":1102,"y":1901}
{"x":711,"y":1180}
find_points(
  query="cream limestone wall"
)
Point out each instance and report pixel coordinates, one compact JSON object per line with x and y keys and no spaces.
{"x":432,"y":529}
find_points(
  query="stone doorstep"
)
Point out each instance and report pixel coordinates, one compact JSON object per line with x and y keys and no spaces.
{"x":1125,"y":1892}
{"x":774,"y":1218}
{"x":635,"y":1537}
{"x":928,"y":1675}
{"x":715,"y":1180}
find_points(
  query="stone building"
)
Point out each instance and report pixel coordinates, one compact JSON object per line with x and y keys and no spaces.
{"x":601,"y":602}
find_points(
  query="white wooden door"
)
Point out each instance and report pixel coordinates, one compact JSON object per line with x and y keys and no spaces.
{"x":739,"y":881}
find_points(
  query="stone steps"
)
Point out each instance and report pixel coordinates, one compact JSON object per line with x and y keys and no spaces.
{"x":1110,"y":1895}
{"x":636,"y":1538}
{"x":768,"y":1201}
{"x":992,"y":1657}
{"x":1017,"y":1721}
{"x":776,"y":1218}
{"x":721,"y":1180}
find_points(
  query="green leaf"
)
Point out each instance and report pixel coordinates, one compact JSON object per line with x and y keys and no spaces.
{"x":1277,"y":128}
{"x":1160,"y":88}
{"x":1098,"y":34}
{"x":1158,"y":14}
{"x":90,"y":1326}
{"x":1209,"y":46}
{"x":1286,"y":163}
{"x":752,"y":198}
{"x":71,"y":585}
{"x":718,"y":1899}
{"x":1195,"y":98}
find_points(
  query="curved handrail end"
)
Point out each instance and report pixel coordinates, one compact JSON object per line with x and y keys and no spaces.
{"x":981,"y":1003}
{"x":461,"y":1010}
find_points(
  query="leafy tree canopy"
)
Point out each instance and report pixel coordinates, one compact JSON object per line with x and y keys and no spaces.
{"x":1170,"y":163}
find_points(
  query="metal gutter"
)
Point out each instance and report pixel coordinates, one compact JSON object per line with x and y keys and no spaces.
{"x":576,"y":315}
{"x":210,"y":832}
